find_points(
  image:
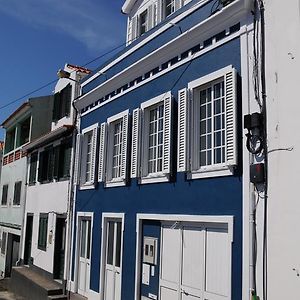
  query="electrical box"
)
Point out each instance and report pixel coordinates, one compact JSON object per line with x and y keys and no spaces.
{"x":150,"y":250}
{"x":257,"y":173}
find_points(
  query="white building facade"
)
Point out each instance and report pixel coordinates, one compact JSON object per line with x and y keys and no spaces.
{"x":21,"y":127}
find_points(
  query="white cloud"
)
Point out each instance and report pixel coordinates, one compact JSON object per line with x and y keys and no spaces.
{"x":87,"y":21}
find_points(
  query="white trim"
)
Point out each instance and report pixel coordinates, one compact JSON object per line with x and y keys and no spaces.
{"x":89,"y":184}
{"x":205,"y":29}
{"x":247,"y":107}
{"x":154,"y":178}
{"x":214,"y":171}
{"x":117,"y":116}
{"x":89,"y":128}
{"x":210,"y":77}
{"x":169,"y":69}
{"x":81,"y":215}
{"x":229,"y":220}
{"x":153,"y":101}
{"x":146,"y":40}
{"x":105,"y":218}
{"x":119,"y":181}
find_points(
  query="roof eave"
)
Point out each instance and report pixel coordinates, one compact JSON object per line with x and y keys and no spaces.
{"x":127,"y":6}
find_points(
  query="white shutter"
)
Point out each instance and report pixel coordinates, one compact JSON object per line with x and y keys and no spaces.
{"x":134,"y":28}
{"x":178,"y":4}
{"x":150,"y":17}
{"x":102,"y":152}
{"x":155,"y":21}
{"x":124,"y":147}
{"x":94,"y":150}
{"x":167,"y":133}
{"x":135,"y":146}
{"x":231,"y":111}
{"x":77,"y":161}
{"x":159,"y":10}
{"x":183,"y":131}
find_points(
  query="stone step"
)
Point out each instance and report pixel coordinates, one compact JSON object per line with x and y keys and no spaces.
{"x":58,"y":297}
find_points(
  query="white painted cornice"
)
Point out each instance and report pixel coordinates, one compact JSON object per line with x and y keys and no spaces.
{"x":127,"y":6}
{"x":204,"y":30}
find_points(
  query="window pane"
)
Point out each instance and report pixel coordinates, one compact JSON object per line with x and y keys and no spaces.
{"x":118,"y":244}
{"x":24,"y":132}
{"x":156,"y":136}
{"x":110,"y":242}
{"x":83,"y":238}
{"x":4,"y":194}
{"x":43,"y":231}
{"x":88,"y":250}
{"x":3,"y":243}
{"x":17,"y":193}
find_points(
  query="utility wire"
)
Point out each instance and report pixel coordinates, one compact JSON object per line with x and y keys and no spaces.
{"x":53,"y":81}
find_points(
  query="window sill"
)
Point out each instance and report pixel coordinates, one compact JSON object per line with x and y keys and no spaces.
{"x":115,"y":183}
{"x":4,"y":206}
{"x":155,"y":178}
{"x":16,"y":205}
{"x":213,"y":171}
{"x":87,"y":186}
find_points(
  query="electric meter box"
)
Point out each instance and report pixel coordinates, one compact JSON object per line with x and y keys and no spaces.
{"x":150,"y":250}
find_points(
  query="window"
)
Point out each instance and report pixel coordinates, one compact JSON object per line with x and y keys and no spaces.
{"x":113,"y":150}
{"x":143,"y":22}
{"x":210,"y":129}
{"x":62,"y":103}
{"x":33,"y":167}
{"x":54,"y":162}
{"x":17,"y":193}
{"x":4,"y":194}
{"x":46,"y":165}
{"x":151,"y":140}
{"x":43,"y":230}
{"x":64,"y":159}
{"x":3,"y":242}
{"x":24,"y":131}
{"x":10,"y":140}
{"x":85,"y":162}
{"x":169,"y":7}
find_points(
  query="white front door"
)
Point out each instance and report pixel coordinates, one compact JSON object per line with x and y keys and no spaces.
{"x":84,"y":257}
{"x":194,"y":263}
{"x":113,"y":260}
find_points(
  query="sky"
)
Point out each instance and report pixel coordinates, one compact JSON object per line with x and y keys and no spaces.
{"x":37,"y":37}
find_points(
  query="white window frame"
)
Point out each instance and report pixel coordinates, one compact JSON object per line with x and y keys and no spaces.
{"x":79,"y":217}
{"x":106,"y":158}
{"x":93,"y":129}
{"x":211,"y":221}
{"x":105,"y":218}
{"x":144,"y":176}
{"x":221,"y":169}
{"x":173,"y":4}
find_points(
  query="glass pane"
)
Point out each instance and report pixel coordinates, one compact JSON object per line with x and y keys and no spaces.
{"x":202,"y":97}
{"x":203,"y":143}
{"x":202,"y":127}
{"x":217,"y":91}
{"x":118,"y":244}
{"x":217,"y":108}
{"x":110,"y":242}
{"x":202,"y":158}
{"x":88,"y":250}
{"x":83,"y":238}
{"x":159,"y":165}
{"x":209,"y":157}
{"x":203,"y":112}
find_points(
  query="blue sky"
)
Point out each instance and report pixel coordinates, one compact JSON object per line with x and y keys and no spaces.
{"x":37,"y":37}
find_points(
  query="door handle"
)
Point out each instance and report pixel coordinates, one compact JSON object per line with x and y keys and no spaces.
{"x":184,"y":292}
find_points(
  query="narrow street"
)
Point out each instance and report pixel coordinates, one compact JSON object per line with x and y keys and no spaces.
{"x":5,"y":294}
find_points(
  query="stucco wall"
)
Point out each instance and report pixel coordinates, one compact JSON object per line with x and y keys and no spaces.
{"x":283,"y":64}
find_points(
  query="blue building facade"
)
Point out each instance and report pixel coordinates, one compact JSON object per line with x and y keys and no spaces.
{"x":159,"y":200}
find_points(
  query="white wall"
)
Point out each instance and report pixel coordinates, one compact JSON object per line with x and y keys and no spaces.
{"x":48,"y":198}
{"x":11,"y":173}
{"x":283,"y":105}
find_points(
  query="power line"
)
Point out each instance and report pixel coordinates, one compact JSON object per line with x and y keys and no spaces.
{"x":53,"y":81}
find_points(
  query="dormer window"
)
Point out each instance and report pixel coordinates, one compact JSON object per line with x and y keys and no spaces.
{"x":169,"y":7}
{"x":143,"y":22}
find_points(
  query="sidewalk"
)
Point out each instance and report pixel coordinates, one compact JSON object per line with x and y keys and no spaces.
{"x":4,"y":291}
